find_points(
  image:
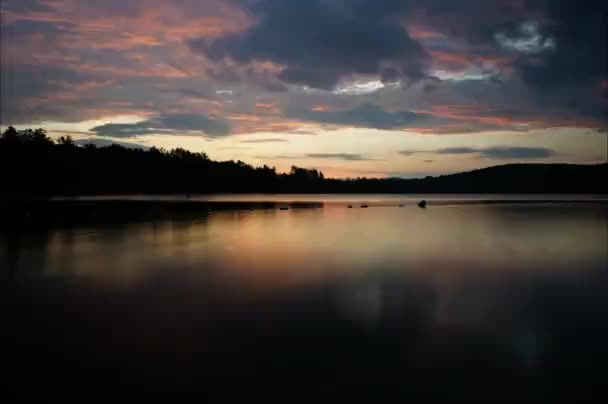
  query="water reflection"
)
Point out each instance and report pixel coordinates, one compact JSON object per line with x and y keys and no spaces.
{"x":301,"y":243}
{"x":496,"y":303}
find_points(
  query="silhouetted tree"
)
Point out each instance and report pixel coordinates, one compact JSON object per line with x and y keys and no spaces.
{"x":30,"y":158}
{"x":66,"y":141}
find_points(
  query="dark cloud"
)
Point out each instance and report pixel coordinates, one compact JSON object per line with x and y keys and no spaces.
{"x":36,"y":80}
{"x":527,"y":39}
{"x":265,"y":140}
{"x":472,"y":22}
{"x":559,"y":48}
{"x":170,"y":124}
{"x":20,"y":84}
{"x":500,"y":152}
{"x":49,"y":29}
{"x":458,"y":150}
{"x":19,"y":6}
{"x":321,"y":42}
{"x":579,"y":30}
{"x":545,"y":62}
{"x":275,"y":87}
{"x":127,"y":129}
{"x":365,"y":115}
{"x":571,"y":74}
{"x":195,"y":93}
{"x":495,"y":152}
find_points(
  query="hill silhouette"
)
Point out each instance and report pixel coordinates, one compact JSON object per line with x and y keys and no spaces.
{"x":32,"y":164}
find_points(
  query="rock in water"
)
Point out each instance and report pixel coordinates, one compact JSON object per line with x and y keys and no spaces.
{"x":422,"y":204}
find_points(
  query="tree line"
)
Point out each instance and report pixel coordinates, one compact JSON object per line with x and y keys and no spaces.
{"x":33,"y":164}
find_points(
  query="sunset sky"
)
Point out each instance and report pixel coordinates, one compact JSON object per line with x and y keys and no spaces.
{"x":352,"y":87}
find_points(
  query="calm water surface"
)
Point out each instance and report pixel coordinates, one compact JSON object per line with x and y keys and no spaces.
{"x":378,"y":199}
{"x":495,"y":302}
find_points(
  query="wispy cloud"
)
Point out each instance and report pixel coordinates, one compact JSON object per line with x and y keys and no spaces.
{"x":366,"y":115}
{"x":328,"y":156}
{"x":234,"y":148}
{"x":264,"y":140}
{"x":339,"y":156}
{"x":494,"y":152}
{"x":166,"y":124}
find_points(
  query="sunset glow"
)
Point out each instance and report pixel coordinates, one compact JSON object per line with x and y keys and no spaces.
{"x":318,"y":78}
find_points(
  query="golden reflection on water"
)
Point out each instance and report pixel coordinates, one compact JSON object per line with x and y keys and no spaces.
{"x":502,"y":296}
{"x":271,"y":247}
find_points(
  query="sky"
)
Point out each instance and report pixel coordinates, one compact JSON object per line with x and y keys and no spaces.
{"x":378,"y":88}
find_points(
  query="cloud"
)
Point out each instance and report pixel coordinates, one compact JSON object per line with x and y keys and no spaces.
{"x":571,"y":75}
{"x":27,"y":28}
{"x":458,"y":150}
{"x":303,"y":132}
{"x":339,"y":156}
{"x":264,"y":140}
{"x":169,"y":124}
{"x":463,"y":66}
{"x":502,"y":152}
{"x":29,"y":92}
{"x":494,"y":152}
{"x":328,"y":156}
{"x":366,"y":115}
{"x":24,"y":5}
{"x":234,"y":148}
{"x":188,"y":92}
{"x":529,"y":41}
{"x":319,"y":42}
{"x":277,"y":157}
{"x":126,"y":129}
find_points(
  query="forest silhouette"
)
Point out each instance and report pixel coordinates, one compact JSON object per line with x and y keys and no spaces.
{"x":33,"y":164}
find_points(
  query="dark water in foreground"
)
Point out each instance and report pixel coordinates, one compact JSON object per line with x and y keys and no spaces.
{"x":489,"y":303}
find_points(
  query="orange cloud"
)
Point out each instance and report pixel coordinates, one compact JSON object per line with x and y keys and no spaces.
{"x":475,"y":113}
{"x":265,"y":106}
{"x":417,"y":31}
{"x":460,"y":61}
{"x":152,"y":23}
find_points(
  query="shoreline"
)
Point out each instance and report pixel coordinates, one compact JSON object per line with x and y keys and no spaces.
{"x":30,"y":213}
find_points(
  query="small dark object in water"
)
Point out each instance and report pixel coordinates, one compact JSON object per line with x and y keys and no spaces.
{"x":350,"y":206}
{"x":364,"y":206}
{"x":284,"y":208}
{"x":188,"y":196}
{"x":401,"y":205}
{"x":422,"y":204}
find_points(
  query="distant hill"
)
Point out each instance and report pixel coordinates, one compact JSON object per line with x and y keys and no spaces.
{"x":106,"y":143}
{"x":33,"y":164}
{"x":522,"y":178}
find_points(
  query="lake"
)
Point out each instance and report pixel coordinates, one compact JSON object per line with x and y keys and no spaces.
{"x":484,"y":298}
